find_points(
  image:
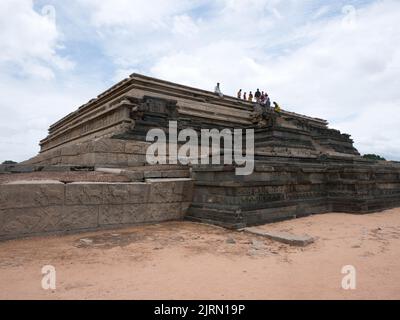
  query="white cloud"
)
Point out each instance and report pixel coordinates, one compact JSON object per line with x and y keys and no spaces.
{"x":27,"y":108}
{"x":29,"y":40}
{"x":184,"y":25}
{"x":343,"y":68}
{"x":28,"y":60}
{"x":133,"y":13}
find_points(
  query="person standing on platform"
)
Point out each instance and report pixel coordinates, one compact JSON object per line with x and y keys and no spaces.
{"x":251,"y":96}
{"x":267,"y":101}
{"x":257,"y":95}
{"x":277,"y":107}
{"x":262,"y":99}
{"x":218,"y":91}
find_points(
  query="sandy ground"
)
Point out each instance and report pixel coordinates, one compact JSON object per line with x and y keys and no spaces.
{"x":182,"y":260}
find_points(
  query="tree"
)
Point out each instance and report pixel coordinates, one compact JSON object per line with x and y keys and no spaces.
{"x":9,"y":162}
{"x":373,"y":157}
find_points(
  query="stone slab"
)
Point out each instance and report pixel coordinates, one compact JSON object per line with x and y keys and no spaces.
{"x":56,"y":169}
{"x":284,"y":237}
{"x":31,"y":221}
{"x":165,"y":211}
{"x":109,"y":170}
{"x":31,"y":194}
{"x":133,"y":175}
{"x":123,"y":214}
{"x":83,"y":193}
{"x":170,"y":190}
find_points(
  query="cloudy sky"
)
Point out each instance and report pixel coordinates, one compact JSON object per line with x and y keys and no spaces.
{"x":334,"y":59}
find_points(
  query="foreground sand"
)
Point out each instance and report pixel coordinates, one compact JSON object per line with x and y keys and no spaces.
{"x":183,"y":260}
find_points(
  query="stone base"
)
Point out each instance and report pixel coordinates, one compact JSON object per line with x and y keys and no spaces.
{"x":42,"y":207}
{"x":284,"y":190}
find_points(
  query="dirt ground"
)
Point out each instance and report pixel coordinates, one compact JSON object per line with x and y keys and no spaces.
{"x":183,"y":260}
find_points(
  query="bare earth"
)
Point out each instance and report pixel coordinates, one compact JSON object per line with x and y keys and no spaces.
{"x":182,"y":260}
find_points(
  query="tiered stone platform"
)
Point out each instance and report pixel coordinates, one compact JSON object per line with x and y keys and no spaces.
{"x":302,"y":166}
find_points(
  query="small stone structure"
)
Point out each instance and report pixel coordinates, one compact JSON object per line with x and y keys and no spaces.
{"x":302,"y":166}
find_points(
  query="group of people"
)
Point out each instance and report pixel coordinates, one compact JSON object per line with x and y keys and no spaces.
{"x":260,"y":97}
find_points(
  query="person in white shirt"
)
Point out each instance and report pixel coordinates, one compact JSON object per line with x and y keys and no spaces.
{"x":217,"y":90}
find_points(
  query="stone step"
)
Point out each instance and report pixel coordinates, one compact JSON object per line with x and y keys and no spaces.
{"x":224,"y":118}
{"x":149,"y":172}
{"x":224,"y":224}
{"x":213,"y":109}
{"x":206,"y":110}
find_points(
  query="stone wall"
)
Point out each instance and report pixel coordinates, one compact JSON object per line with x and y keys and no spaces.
{"x":40,"y":207}
{"x":104,"y":152}
{"x":283,"y":190}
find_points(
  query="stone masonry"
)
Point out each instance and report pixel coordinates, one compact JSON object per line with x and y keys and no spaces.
{"x":38,"y":207}
{"x":302,"y":166}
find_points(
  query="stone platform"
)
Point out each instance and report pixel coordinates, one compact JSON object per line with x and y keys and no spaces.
{"x":302,"y":166}
{"x":38,"y":207}
{"x":286,"y":189}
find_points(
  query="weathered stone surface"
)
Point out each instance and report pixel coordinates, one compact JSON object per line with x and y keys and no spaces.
{"x":31,"y":194}
{"x":284,"y":237}
{"x":140,"y":213}
{"x":152,"y":174}
{"x":293,"y":190}
{"x":175,"y":174}
{"x":169,"y":190}
{"x":56,"y":168}
{"x":106,"y":193}
{"x":116,"y":159}
{"x":69,"y":160}
{"x":134,"y":160}
{"x":133,"y":175}
{"x":71,"y":150}
{"x":32,"y":221}
{"x":127,"y":193}
{"x":185,"y":207}
{"x":123,"y":214}
{"x":84,"y":193}
{"x":165,"y":211}
{"x":25,"y":221}
{"x":136,"y":147}
{"x":108,"y":145}
{"x":78,"y":217}
{"x":109,"y":170}
{"x":85,"y":206}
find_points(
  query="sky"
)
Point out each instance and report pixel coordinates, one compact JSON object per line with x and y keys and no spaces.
{"x":337,"y":60}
